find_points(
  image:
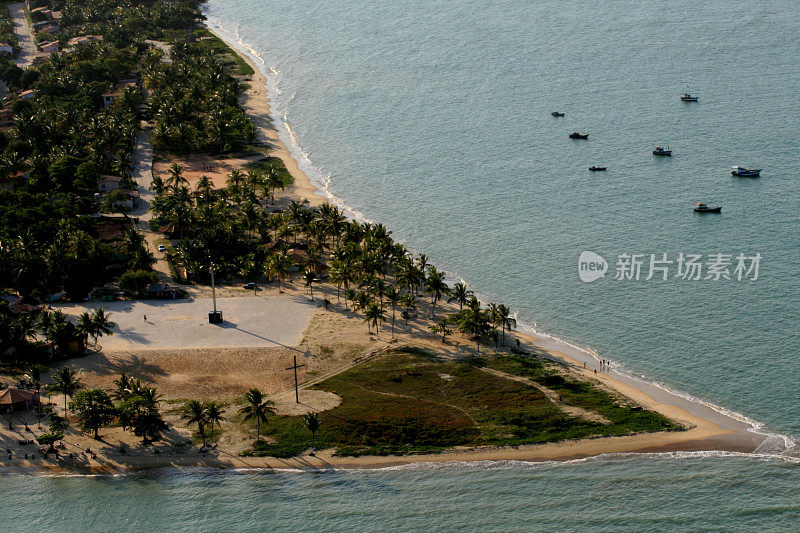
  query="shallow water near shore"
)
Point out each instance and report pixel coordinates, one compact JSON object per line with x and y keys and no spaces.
{"x":609,"y":494}
{"x":434,"y":119}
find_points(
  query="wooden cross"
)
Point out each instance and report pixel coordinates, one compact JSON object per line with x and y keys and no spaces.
{"x":295,"y":367}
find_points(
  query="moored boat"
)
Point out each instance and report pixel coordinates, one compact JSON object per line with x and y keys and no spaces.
{"x":662,"y":150}
{"x":576,"y":135}
{"x":703,"y":208}
{"x":557,"y":114}
{"x":595,"y":169}
{"x":746,"y":172}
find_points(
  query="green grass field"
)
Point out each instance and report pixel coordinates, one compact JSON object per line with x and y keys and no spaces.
{"x":406,"y":403}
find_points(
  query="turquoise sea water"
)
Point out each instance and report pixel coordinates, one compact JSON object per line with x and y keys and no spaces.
{"x":434,"y":119}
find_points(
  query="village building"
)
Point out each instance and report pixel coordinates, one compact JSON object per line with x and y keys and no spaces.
{"x":108,"y":183}
{"x":128,"y":82}
{"x":162,"y":291}
{"x":49,"y":47}
{"x":84,"y":39}
{"x":6,"y":48}
{"x":12,"y":181}
{"x":12,"y":399}
{"x":6,"y":115}
{"x":25,"y":95}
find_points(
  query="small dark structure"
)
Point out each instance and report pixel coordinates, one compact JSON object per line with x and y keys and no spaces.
{"x":162,"y":291}
{"x":18,"y":399}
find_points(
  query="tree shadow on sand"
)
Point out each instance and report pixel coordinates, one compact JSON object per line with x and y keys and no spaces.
{"x":130,"y":364}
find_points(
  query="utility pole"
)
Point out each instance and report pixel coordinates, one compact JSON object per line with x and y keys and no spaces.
{"x":214,"y":317}
{"x":295,"y":367}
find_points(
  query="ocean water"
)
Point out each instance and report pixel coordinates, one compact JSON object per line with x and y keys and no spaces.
{"x":434,"y":119}
{"x":605,"y":494}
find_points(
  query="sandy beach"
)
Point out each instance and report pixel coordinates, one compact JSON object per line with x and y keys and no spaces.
{"x":708,"y":429}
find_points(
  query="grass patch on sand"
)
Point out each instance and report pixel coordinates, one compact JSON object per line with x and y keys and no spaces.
{"x":276,"y":162}
{"x":209,"y":41}
{"x":406,"y":403}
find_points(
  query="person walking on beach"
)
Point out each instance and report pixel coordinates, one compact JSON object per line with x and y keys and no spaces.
{"x":145,"y":318}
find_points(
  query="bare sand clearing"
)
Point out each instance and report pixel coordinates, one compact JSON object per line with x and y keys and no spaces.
{"x":195,"y":167}
{"x":267,"y":320}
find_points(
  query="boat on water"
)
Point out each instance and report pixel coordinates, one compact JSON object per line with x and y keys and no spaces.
{"x":704,"y":208}
{"x":576,"y":135}
{"x":743,"y":172}
{"x":689,"y":98}
{"x":662,"y":150}
{"x":557,"y":114}
{"x":595,"y":169}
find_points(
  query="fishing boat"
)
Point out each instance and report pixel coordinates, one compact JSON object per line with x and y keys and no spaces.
{"x":703,"y":208}
{"x":576,"y":135}
{"x":557,"y":114}
{"x":662,"y":150}
{"x":689,"y":98}
{"x":743,"y":172}
{"x":595,"y":169}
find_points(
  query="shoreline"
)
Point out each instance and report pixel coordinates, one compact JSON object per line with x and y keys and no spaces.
{"x":256,"y":103}
{"x":709,"y":429}
{"x":707,"y":420}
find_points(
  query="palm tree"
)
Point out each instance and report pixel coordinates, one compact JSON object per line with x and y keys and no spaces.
{"x":473,"y":321}
{"x":436,"y":286}
{"x":409,"y":302}
{"x":310,"y":278}
{"x":393,"y":297}
{"x":214,"y":415}
{"x":100,"y":324}
{"x":279,"y":265}
{"x":460,"y":294}
{"x":256,"y":409}
{"x":441,"y":327}
{"x":350,"y":294}
{"x":66,"y":382}
{"x":506,"y":320}
{"x":176,"y":178}
{"x":312,"y":423}
{"x":374,"y":315}
{"x":194,"y":412}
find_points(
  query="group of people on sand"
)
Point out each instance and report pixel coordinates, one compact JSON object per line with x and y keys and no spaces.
{"x":605,"y":365}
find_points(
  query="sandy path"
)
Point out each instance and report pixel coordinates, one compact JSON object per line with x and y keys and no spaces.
{"x":24,"y":35}
{"x":142,"y":158}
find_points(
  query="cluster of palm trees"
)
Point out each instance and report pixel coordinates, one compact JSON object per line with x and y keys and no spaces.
{"x":134,"y":405}
{"x":208,"y":414}
{"x":195,"y":104}
{"x":60,"y":331}
{"x":19,"y":332}
{"x":375,"y":275}
{"x":229,"y":224}
{"x":203,"y":415}
{"x":257,"y":408}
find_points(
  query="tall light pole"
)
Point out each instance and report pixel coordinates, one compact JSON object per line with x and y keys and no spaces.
{"x":214,"y":317}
